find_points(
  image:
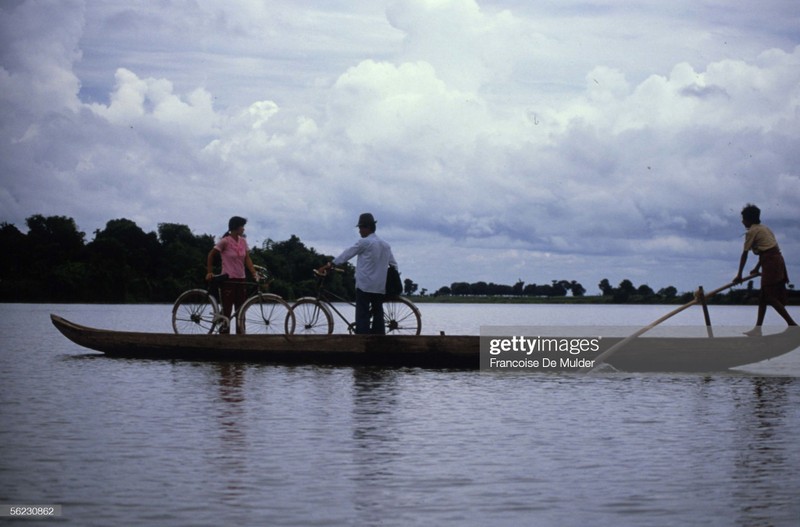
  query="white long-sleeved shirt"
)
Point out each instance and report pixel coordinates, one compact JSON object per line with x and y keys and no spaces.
{"x":374,"y":258}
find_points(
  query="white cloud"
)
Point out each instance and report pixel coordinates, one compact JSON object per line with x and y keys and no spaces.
{"x":37,"y":59}
{"x":405,"y":106}
{"x":151,"y":102}
{"x":467,"y":47}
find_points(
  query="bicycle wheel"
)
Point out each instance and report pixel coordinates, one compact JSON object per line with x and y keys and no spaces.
{"x":265,"y":314}
{"x":401,"y":316}
{"x":194,"y":312}
{"x":312,"y":317}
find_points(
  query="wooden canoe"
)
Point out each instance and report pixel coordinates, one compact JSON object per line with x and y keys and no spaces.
{"x":423,"y":351}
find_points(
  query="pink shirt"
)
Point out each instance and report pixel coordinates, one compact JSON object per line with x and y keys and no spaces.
{"x":233,"y":253}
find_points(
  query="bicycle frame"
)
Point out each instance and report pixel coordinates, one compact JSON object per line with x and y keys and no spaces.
{"x":323,"y":295}
{"x":314,"y":314}
{"x":214,"y":289}
{"x":199,"y":311}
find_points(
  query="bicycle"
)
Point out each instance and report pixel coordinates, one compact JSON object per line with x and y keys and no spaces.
{"x":312,"y":314}
{"x":198,"y":311}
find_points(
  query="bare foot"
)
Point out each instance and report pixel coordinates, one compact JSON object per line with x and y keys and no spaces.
{"x":755,"y":332}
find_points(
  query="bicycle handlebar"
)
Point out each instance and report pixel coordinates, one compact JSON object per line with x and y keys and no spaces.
{"x":323,"y":274}
{"x":263,"y":275}
{"x":218,"y":279}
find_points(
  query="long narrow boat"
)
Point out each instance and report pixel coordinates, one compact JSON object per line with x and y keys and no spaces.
{"x":423,"y":351}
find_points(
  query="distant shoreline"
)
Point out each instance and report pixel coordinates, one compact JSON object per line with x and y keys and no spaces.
{"x":752,"y":300}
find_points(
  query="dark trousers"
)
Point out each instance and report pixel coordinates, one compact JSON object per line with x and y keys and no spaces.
{"x":234,"y":293}
{"x":369,"y":313}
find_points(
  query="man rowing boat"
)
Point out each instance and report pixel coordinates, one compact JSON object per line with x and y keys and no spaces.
{"x":760,"y":239}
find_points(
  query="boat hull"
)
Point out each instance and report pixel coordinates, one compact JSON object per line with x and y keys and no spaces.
{"x":423,"y":351}
{"x":379,"y":350}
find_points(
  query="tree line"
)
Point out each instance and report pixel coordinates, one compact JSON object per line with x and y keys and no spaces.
{"x":555,"y":288}
{"x":53,"y":262}
{"x":625,"y":293}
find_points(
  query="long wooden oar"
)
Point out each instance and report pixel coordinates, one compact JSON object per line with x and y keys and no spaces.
{"x":613,"y":349}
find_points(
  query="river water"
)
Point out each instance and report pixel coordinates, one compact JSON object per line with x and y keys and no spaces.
{"x":169,"y":443}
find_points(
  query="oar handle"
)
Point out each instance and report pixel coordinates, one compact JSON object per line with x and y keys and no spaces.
{"x":732,"y":284}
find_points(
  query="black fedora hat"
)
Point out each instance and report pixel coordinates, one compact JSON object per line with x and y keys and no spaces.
{"x":366,"y":220}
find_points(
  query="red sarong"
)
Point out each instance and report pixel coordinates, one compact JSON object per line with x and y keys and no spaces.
{"x":774,"y":276}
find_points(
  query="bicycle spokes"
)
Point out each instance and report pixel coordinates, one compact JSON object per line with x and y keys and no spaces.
{"x":401,"y":317}
{"x":194,"y":312}
{"x":312,"y":317}
{"x":265,"y":314}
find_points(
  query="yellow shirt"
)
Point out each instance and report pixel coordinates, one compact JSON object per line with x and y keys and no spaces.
{"x":759,"y":238}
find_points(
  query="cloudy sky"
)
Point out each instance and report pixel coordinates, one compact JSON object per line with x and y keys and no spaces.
{"x":494,"y":140}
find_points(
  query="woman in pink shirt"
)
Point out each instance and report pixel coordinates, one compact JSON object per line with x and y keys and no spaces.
{"x":235,"y":255}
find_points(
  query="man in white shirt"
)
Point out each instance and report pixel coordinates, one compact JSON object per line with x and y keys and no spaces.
{"x":374,"y":258}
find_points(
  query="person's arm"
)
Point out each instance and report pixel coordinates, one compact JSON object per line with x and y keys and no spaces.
{"x":210,"y":264}
{"x":748,"y":244}
{"x":742,"y":262}
{"x":249,"y":263}
{"x":346,"y":256}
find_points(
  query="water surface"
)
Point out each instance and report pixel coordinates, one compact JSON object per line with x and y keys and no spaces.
{"x":169,"y":443}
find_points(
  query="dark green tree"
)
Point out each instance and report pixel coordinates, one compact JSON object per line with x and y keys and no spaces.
{"x":625,"y":290}
{"x":645,"y":291}
{"x":460,"y":288}
{"x":668,"y":292}
{"x":12,"y":238}
{"x":409,"y":287}
{"x":183,"y":260}
{"x":479,"y":288}
{"x":577,"y":289}
{"x":291,"y":269}
{"x":530,"y":290}
{"x":123,"y":259}
{"x":560,"y":287}
{"x":17,"y":282}
{"x":55,"y":263}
